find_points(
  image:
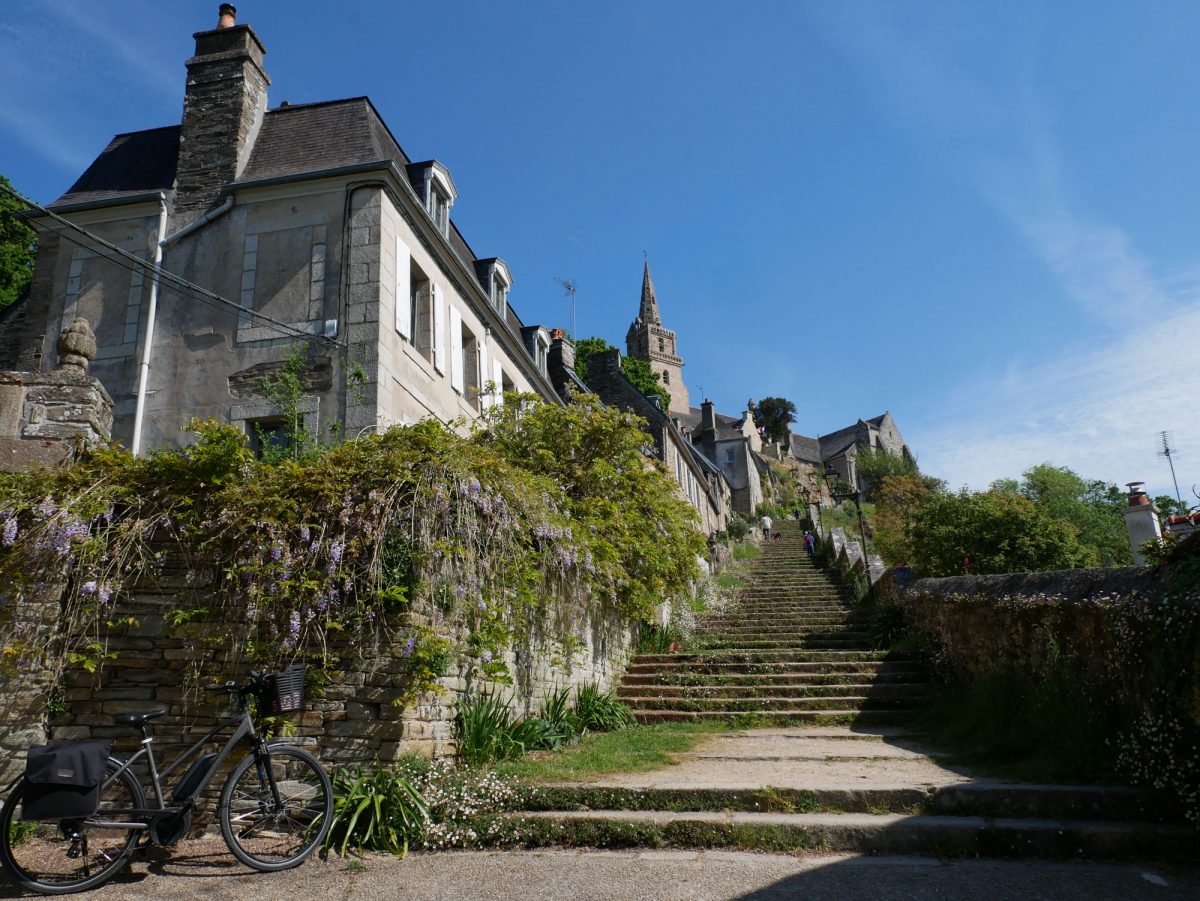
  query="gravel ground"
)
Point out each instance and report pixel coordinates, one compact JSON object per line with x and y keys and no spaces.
{"x":204,"y":869}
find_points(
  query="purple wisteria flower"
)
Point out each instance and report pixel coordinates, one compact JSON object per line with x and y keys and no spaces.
{"x":277,"y":551}
{"x":335,"y":551}
{"x":88,"y":587}
{"x":46,"y":508}
{"x":9,"y":535}
{"x":409,"y":646}
{"x":486,"y":657}
{"x":305,"y":534}
{"x":482,"y":605}
{"x":105,"y":594}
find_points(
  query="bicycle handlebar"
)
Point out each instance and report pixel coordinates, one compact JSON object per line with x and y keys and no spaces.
{"x":254,"y":683}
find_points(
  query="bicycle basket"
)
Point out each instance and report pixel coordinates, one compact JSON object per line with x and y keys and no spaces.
{"x":283,"y":692}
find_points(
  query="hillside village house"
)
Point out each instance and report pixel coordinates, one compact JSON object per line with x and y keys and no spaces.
{"x":313,"y":220}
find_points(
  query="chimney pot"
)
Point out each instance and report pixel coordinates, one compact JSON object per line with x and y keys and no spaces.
{"x":228,"y":14}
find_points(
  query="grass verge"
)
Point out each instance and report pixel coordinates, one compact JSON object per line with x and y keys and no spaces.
{"x":632,"y":750}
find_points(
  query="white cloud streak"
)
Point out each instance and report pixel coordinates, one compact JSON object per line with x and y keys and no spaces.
{"x":1096,"y":409}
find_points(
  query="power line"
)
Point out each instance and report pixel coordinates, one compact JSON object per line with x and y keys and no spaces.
{"x":136,"y":263}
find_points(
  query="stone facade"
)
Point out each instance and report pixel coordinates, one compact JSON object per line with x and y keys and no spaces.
{"x":354,"y":720}
{"x":305,"y":228}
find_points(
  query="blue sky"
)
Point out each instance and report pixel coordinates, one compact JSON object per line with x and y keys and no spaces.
{"x":979,"y":216}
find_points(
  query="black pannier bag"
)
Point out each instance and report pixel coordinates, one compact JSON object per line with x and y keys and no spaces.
{"x":63,"y":780}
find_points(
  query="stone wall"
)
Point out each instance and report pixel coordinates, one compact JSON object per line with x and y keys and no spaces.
{"x":354,"y":721}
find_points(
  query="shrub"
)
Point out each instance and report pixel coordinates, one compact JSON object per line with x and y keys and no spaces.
{"x":738,"y":528}
{"x":600,"y":711}
{"x":375,"y":811}
{"x":485,"y":732}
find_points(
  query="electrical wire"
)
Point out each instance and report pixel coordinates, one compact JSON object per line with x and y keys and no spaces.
{"x":133,"y":263}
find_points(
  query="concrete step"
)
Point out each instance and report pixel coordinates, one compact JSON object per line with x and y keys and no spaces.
{"x":771,"y":703}
{"x":863,"y":833}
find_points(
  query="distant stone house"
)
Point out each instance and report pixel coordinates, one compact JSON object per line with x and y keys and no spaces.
{"x":303,"y":227}
{"x":840,"y":449}
{"x":735,"y":446}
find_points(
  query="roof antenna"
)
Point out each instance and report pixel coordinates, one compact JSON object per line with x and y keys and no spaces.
{"x":569,"y":288}
{"x":1167,"y":451}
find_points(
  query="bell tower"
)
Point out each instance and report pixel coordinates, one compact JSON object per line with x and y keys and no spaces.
{"x":648,"y":340}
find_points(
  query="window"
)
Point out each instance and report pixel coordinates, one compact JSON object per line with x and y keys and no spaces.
{"x":666,"y":377}
{"x":469,"y":351}
{"x":543,"y":351}
{"x":421,"y":293}
{"x":268,"y":434}
{"x":661,"y":345}
{"x":439,"y":207}
{"x":729,"y":454}
{"x":499,"y":293}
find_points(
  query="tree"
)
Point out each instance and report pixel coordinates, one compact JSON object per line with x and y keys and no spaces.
{"x":645,"y":379}
{"x":992,"y":532}
{"x":1091,"y":505}
{"x":1169,"y":506}
{"x":18,"y":247}
{"x":897,"y":499}
{"x":876,"y":464}
{"x":775,"y":415}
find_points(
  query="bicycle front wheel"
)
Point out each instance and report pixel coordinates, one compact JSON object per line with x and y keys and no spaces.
{"x":274,"y":835}
{"x":57,"y":858}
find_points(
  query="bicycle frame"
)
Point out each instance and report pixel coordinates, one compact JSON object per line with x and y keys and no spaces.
{"x":245,"y":729}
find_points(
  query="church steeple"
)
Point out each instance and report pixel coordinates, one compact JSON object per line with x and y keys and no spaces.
{"x":648,"y":340}
{"x":649,"y":308}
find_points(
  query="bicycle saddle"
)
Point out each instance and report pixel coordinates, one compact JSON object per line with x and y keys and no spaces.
{"x":136,"y":719}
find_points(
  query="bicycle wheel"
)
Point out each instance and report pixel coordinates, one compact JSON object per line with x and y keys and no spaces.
{"x":269,"y":836}
{"x":56,"y":858}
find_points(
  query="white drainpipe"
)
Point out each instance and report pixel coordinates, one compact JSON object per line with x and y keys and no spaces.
{"x":161,"y":242}
{"x":144,"y":373}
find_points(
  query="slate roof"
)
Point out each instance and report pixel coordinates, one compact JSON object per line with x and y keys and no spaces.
{"x":806,"y":449}
{"x":131,"y":165}
{"x":727,"y":426}
{"x":294,"y":141}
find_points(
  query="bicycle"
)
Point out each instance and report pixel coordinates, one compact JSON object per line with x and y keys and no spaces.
{"x":275,"y":808}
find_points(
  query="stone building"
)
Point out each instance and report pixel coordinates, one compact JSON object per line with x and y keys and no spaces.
{"x":301,"y":227}
{"x":649,"y":340}
{"x":840,"y":449}
{"x":735,"y":446}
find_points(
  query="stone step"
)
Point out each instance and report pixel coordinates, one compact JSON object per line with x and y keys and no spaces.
{"x":818,"y":643}
{"x":721,"y":677}
{"x":782,"y":717}
{"x":771,"y":656}
{"x":773,"y":689}
{"x":771,"y":703}
{"x":990,"y":799}
{"x":862,"y":833}
{"x":798,"y":670}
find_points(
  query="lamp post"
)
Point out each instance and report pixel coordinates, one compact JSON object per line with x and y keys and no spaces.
{"x":832,"y":478}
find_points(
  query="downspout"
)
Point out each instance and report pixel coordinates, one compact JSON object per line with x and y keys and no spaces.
{"x":162,"y":241}
{"x":144,"y":372}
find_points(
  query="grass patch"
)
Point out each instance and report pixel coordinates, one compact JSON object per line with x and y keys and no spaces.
{"x":730,"y":580}
{"x":746,"y":551}
{"x":632,"y":750}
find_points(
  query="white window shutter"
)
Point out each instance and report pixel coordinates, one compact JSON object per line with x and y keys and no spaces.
{"x":403,"y":290}
{"x":456,"y":349}
{"x":439,"y":329}
{"x":498,"y":378}
{"x":482,"y":376}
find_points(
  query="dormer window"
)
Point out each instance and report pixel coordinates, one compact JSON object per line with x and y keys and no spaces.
{"x":543,"y":352}
{"x":497,"y":281}
{"x":437,"y":190}
{"x":499,"y":293}
{"x":439,"y":208}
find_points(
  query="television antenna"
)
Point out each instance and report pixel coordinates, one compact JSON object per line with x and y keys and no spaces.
{"x":570,"y":286}
{"x":1167,"y":451}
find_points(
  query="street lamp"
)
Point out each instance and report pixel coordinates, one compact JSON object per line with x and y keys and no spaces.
{"x":832,"y":479}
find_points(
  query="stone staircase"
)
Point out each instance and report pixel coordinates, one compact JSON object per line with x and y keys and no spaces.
{"x":834,"y":772}
{"x":792,"y":648}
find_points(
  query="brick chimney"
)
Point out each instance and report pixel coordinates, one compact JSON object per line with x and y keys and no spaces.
{"x":560,"y":363}
{"x":1141,"y":521}
{"x":223,"y":108}
{"x":708,"y":417}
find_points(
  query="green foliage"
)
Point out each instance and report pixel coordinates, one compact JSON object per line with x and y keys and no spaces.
{"x":897,"y":500}
{"x":1170,"y":506}
{"x":640,"y":538}
{"x":876,"y":464}
{"x":1094,"y":507}
{"x":286,"y":388}
{"x":18,"y":247}
{"x":375,"y":811}
{"x":889,"y":624}
{"x":484,"y":729}
{"x":738,"y":528}
{"x":600,"y":711}
{"x":992,"y":532}
{"x":639,"y":373}
{"x":775,"y":415}
{"x":656,"y":639}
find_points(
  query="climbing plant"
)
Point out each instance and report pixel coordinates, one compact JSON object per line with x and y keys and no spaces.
{"x":447,"y":546}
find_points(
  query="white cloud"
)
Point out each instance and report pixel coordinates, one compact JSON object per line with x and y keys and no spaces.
{"x":1098,"y":412}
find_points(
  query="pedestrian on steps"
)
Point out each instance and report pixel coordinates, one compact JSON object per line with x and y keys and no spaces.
{"x":766,"y":527}
{"x":810,"y":543}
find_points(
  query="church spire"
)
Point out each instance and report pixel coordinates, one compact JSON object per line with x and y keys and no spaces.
{"x":649,"y":309}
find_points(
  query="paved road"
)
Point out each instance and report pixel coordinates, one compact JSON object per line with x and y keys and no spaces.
{"x":203,"y":869}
